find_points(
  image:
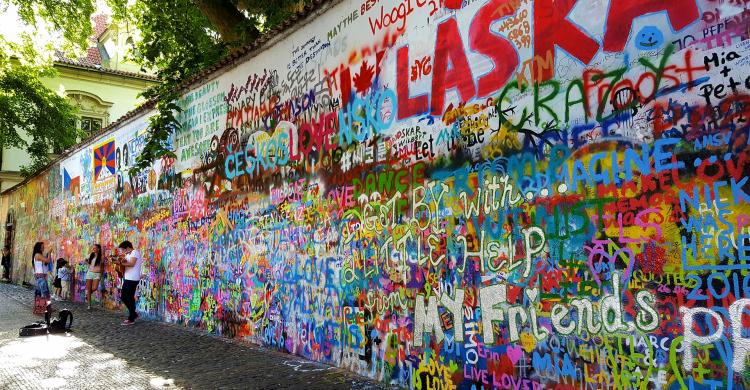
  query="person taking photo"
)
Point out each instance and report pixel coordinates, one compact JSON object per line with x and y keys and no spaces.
{"x":132,"y":261}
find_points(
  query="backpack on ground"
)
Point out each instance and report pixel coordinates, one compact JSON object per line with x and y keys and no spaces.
{"x":38,"y":328}
{"x":61,"y":324}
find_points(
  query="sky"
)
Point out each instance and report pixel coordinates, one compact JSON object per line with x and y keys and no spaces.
{"x":10,"y":24}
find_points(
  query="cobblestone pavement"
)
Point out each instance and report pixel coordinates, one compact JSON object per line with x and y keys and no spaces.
{"x":101,"y":354}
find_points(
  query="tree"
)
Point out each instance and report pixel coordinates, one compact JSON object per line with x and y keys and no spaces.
{"x":180,"y":38}
{"x":46,"y":117}
{"x":31,"y":115}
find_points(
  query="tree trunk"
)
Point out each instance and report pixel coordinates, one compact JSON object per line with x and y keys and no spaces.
{"x":234,"y":27}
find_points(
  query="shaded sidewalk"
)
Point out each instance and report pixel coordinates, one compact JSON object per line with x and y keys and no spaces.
{"x":101,"y":353}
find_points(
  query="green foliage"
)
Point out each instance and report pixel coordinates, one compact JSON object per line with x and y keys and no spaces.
{"x":274,"y":12}
{"x":32,"y":116}
{"x":176,"y":38}
{"x":46,"y":118}
{"x":161,"y":126}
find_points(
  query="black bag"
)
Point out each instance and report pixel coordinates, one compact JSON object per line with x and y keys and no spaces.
{"x":62,"y":323}
{"x":35,"y":329}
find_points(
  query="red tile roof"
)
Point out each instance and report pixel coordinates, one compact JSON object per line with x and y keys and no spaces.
{"x":93,"y":59}
{"x":101,"y":24}
{"x":88,"y":64}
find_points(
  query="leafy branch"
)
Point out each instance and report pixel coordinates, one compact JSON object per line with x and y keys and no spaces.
{"x":46,"y":118}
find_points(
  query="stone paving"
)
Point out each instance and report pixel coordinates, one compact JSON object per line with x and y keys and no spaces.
{"x":102,"y":354}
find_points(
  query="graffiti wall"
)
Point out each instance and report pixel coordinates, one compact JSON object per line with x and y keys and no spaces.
{"x":443,"y":194}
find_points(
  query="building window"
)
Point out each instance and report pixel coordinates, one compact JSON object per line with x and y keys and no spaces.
{"x":90,"y":125}
{"x":93,"y":111}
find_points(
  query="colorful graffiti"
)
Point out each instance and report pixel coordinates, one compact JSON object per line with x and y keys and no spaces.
{"x":479,"y":194}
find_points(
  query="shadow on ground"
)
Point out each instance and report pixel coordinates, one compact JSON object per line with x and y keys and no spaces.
{"x":101,"y":353}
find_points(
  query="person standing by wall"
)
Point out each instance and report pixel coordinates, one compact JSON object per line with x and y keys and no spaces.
{"x":40,"y":262}
{"x":6,"y":263}
{"x":64,"y":274}
{"x":132,"y":262}
{"x":94,"y":273}
{"x":56,"y":284}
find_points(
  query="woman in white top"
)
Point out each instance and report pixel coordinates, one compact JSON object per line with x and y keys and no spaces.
{"x":40,"y":262}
